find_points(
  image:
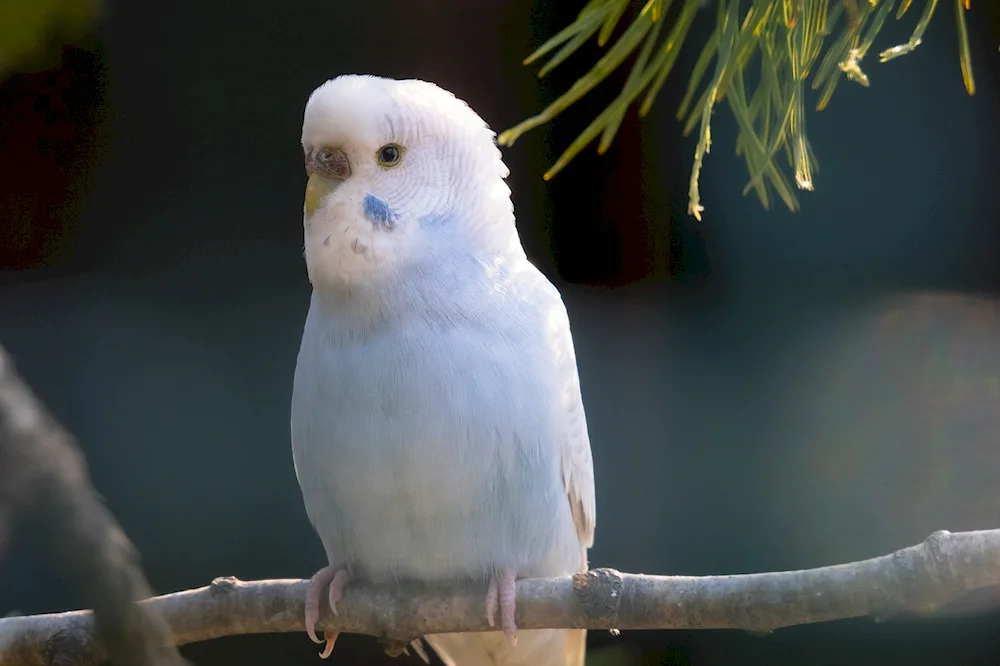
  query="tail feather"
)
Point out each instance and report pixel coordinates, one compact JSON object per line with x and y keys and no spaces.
{"x":537,"y":647}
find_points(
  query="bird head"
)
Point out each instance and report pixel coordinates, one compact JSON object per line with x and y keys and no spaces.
{"x":399,"y":172}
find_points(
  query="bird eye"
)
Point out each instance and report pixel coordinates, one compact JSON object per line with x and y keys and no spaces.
{"x":390,"y":155}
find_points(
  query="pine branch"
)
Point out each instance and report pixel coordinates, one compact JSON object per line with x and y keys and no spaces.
{"x":918,"y":579}
{"x":785,"y":38}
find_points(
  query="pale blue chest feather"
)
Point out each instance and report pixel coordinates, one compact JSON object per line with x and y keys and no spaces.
{"x":427,"y":452}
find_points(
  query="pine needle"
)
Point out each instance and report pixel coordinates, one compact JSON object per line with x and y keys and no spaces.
{"x":785,"y":41}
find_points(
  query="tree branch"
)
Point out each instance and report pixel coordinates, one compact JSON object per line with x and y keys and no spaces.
{"x":917,"y":579}
{"x":43,"y":475}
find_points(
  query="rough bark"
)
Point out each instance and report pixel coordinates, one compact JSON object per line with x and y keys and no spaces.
{"x":918,"y":579}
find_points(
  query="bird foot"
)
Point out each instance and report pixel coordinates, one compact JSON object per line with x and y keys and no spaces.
{"x":337,"y":579}
{"x":500,"y":596}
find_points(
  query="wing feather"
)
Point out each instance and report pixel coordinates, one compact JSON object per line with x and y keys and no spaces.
{"x":577,"y":463}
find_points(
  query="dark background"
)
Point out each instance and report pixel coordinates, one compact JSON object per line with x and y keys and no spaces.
{"x":765,"y":390}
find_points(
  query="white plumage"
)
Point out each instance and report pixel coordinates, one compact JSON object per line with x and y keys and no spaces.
{"x":437,"y":426}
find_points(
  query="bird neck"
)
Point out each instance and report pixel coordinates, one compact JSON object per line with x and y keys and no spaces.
{"x":449,"y":285}
{"x":484,"y":219}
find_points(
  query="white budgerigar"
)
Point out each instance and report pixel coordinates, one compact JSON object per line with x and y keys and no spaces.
{"x":437,"y":426}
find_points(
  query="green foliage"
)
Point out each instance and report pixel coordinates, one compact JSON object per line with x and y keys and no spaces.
{"x":31,"y":31}
{"x":783,"y":41}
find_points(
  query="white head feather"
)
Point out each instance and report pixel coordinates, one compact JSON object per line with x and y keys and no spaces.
{"x":445,"y":194}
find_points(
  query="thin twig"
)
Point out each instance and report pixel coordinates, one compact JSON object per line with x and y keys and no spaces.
{"x":918,"y":579}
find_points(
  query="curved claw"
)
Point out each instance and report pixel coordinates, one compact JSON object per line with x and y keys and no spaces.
{"x":331,"y":639}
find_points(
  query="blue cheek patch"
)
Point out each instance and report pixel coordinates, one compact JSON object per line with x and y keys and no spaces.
{"x":379,"y":213}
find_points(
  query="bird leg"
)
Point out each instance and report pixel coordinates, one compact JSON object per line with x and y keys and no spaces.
{"x":500,"y":595}
{"x":337,"y":579}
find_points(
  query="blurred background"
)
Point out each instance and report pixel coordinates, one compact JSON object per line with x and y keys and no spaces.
{"x":765,"y":390}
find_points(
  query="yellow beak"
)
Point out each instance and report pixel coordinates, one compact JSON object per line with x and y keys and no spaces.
{"x":318,"y":188}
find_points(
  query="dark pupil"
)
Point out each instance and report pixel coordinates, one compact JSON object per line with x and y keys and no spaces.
{"x":390,"y":154}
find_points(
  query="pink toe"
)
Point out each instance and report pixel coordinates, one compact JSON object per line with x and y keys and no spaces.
{"x":506,"y":588}
{"x":337,"y":585}
{"x":320,"y":579}
{"x":492,"y":603}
